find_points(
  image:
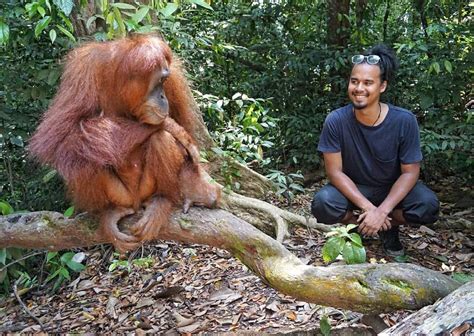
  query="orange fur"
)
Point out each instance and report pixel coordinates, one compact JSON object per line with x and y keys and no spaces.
{"x":110,"y":137}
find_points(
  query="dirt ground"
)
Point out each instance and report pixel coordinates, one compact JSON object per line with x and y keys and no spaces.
{"x":170,"y":288}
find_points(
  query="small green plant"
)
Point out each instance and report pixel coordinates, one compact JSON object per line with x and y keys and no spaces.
{"x":325,"y":326}
{"x":288,"y":185}
{"x":342,"y":242}
{"x":69,"y":212}
{"x":13,"y":265}
{"x":5,"y":208}
{"x":126,"y":264}
{"x":59,"y":266}
{"x":462,"y":277}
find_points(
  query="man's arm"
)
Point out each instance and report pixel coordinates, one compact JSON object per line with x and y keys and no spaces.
{"x":402,"y":186}
{"x":333,"y":164}
{"x":373,"y":218}
{"x":369,"y":221}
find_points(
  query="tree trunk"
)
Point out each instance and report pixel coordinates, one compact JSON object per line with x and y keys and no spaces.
{"x":367,"y":288}
{"x":79,"y":15}
{"x":338,"y":24}
{"x":452,"y":315}
{"x":361,"y":5}
{"x":385,"y":20}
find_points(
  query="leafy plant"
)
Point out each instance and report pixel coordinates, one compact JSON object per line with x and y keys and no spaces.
{"x":287,"y":185}
{"x":462,"y":277}
{"x":5,"y":208}
{"x":325,"y":326}
{"x":59,"y":266}
{"x":118,"y":263}
{"x":13,"y":264}
{"x":345,"y":243}
{"x":241,"y":126}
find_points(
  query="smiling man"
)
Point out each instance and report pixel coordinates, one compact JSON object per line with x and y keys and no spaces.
{"x":372,"y":157}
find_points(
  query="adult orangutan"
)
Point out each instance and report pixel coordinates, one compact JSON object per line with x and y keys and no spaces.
{"x":119,"y":132}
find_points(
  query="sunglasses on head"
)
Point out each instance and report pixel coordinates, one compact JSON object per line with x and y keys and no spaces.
{"x":370,"y":59}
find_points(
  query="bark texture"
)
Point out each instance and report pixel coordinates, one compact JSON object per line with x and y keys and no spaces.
{"x":454,"y":314}
{"x":367,"y":288}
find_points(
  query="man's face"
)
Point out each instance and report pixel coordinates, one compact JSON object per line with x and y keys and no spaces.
{"x":365,"y":85}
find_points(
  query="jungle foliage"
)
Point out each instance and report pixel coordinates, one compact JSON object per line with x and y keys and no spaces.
{"x":265,"y":74}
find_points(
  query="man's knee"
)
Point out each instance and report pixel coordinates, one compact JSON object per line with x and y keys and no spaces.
{"x":327,"y":207}
{"x":423,"y":208}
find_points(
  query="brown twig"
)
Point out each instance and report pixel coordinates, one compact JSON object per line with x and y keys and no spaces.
{"x":15,"y":291}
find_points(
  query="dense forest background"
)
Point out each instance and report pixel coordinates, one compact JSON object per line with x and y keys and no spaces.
{"x":265,"y":75}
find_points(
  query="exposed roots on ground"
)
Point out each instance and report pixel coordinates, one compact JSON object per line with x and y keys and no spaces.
{"x":267,"y":217}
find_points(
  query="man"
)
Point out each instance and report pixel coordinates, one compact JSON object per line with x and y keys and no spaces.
{"x":372,"y":157}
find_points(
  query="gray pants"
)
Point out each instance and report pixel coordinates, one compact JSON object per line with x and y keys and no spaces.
{"x":420,"y":206}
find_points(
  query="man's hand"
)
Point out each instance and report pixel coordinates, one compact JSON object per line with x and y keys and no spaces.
{"x":373,"y":221}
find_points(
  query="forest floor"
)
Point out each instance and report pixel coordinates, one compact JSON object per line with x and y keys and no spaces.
{"x":170,"y":288}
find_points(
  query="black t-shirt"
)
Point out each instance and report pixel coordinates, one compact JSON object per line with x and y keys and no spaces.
{"x":372,"y":155}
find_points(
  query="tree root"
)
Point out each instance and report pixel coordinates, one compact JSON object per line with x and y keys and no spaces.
{"x":266,"y":217}
{"x":366,"y":288}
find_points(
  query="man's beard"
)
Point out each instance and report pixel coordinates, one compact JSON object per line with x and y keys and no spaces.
{"x":359,"y":106}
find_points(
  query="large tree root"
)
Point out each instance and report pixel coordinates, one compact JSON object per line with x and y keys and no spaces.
{"x":367,"y":288}
{"x":266,"y":217}
{"x":454,"y":314}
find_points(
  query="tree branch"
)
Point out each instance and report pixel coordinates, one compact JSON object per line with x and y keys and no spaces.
{"x":367,"y":288}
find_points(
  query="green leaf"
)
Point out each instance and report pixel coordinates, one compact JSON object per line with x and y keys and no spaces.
{"x":53,"y":76}
{"x":113,"y":266}
{"x":355,"y":238}
{"x":436,"y":67}
{"x":53,"y":275}
{"x":65,"y":273}
{"x":169,"y":9}
{"x":332,"y":248}
{"x":201,"y":3}
{"x":448,"y":66}
{"x":3,"y":256}
{"x":426,"y":101}
{"x":65,"y":6}
{"x":4,"y":32}
{"x":51,"y":255}
{"x":52,"y":35}
{"x":324,"y":326}
{"x":41,"y":25}
{"x":353,"y":254}
{"x":444,"y":145}
{"x":462,"y":277}
{"x":75,"y":266}
{"x":121,"y":5}
{"x":66,"y":32}
{"x":401,"y":259}
{"x":69,"y":211}
{"x":90,"y":20}
{"x":350,"y":227}
{"x":5,"y":208}
{"x":140,"y":14}
{"x":66,"y":257}
{"x":118,"y":18}
{"x":41,"y":11}
{"x":49,"y":175}
{"x":66,"y":20}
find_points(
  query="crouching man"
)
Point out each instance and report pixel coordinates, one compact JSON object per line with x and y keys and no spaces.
{"x":372,"y":158}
